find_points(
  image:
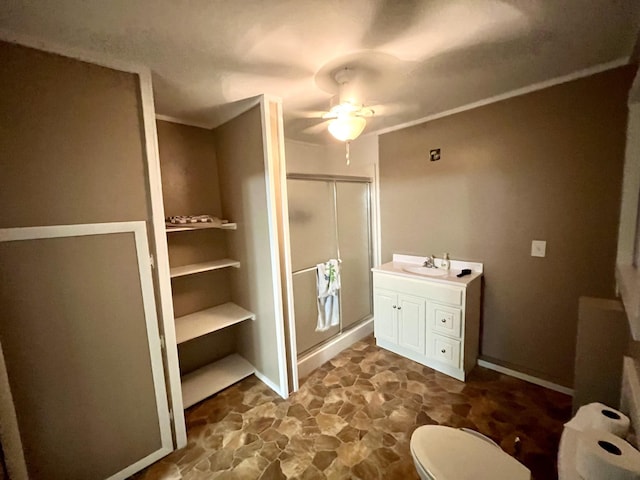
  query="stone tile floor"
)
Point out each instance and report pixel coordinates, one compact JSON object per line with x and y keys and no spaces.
{"x":353,"y":418}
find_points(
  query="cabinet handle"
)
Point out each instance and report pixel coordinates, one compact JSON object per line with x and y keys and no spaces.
{"x":395,"y":306}
{"x":443,"y":351}
{"x":399,"y":308}
{"x":443,"y":320}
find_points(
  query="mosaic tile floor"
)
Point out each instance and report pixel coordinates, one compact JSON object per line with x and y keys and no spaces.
{"x":353,"y":418}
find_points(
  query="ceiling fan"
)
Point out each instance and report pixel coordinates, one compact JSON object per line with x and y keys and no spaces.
{"x":353,"y":80}
{"x":346,"y":118}
{"x":347,"y":113}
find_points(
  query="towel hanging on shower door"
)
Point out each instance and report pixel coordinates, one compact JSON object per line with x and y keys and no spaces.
{"x":328,"y":284}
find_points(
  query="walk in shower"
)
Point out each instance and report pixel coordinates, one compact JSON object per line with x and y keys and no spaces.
{"x":329,"y":217}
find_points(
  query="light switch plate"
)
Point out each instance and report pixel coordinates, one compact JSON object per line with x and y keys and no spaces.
{"x":538,"y":248}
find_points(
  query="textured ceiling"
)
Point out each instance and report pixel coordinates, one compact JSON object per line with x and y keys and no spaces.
{"x":420,"y":57}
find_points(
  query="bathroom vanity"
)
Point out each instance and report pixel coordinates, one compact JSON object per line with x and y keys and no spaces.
{"x":429,"y":315}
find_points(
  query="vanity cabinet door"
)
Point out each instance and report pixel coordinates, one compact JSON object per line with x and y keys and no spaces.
{"x":411,"y":323}
{"x":385,"y":315}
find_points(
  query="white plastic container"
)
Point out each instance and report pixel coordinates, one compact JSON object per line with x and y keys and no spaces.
{"x":446,"y":263}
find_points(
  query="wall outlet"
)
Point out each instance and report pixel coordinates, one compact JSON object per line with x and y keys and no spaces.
{"x":434,"y":154}
{"x":538,"y":248}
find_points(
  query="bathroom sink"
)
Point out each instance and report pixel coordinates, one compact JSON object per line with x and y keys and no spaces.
{"x":428,"y":272}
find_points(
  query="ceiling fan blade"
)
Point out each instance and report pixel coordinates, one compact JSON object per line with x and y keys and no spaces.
{"x":439,"y":27}
{"x":317,"y":128}
{"x":308,"y":113}
{"x":391,"y":20}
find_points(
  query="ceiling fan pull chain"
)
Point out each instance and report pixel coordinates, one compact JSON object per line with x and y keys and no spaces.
{"x":348,"y":159}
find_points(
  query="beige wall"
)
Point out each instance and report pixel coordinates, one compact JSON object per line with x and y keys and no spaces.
{"x":544,"y":166}
{"x":71,"y":141}
{"x":189,"y":170}
{"x":331,"y":160}
{"x":72,"y":152}
{"x":246,"y":199}
{"x":78,"y":361}
{"x":304,"y":157}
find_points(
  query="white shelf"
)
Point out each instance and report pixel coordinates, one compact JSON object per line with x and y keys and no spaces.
{"x":203,"y":267}
{"x":210,"y":320}
{"x":213,"y":378}
{"x":185,"y":227}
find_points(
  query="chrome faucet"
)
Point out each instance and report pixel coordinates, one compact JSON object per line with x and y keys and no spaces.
{"x":429,"y":262}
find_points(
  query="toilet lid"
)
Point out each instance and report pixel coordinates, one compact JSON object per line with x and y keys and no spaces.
{"x":447,"y":453}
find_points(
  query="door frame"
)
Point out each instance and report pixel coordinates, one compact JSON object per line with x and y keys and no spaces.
{"x":332,"y":346}
{"x":10,"y":435}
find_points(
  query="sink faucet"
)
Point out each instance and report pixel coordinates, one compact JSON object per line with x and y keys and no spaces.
{"x":429,"y":262}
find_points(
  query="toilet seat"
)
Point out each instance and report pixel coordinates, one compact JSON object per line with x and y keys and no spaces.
{"x":447,"y":453}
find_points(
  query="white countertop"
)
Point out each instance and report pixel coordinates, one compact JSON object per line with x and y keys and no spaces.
{"x":400,"y":262}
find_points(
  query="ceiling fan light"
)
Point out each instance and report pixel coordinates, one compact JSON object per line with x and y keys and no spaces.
{"x":347,"y":128}
{"x":345,"y":108}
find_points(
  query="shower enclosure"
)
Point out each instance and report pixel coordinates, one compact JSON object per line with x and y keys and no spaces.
{"x":329,"y":217}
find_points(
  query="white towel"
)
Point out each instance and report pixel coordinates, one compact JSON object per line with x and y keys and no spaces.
{"x":328,"y":283}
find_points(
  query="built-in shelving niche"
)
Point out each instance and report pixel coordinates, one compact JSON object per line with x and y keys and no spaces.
{"x":207,"y":317}
{"x":220,"y":373}
{"x":227,"y":300}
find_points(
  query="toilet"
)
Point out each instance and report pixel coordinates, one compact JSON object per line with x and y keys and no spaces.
{"x":446,"y":453}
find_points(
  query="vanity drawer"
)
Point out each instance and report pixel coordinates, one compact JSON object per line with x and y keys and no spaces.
{"x":445,"y":350}
{"x":421,"y":288}
{"x":446,"y":320}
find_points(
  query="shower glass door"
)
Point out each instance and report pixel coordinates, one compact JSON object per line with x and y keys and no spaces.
{"x":354,"y":239}
{"x":312,"y":228}
{"x":329,"y":218}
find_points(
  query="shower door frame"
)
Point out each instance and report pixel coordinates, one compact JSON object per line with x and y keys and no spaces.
{"x":370,"y":184}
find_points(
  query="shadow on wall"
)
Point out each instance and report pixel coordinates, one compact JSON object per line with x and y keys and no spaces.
{"x":330,"y":159}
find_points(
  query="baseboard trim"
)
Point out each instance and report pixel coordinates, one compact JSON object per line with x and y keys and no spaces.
{"x":526,"y":378}
{"x":311,"y":361}
{"x":264,"y":379}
